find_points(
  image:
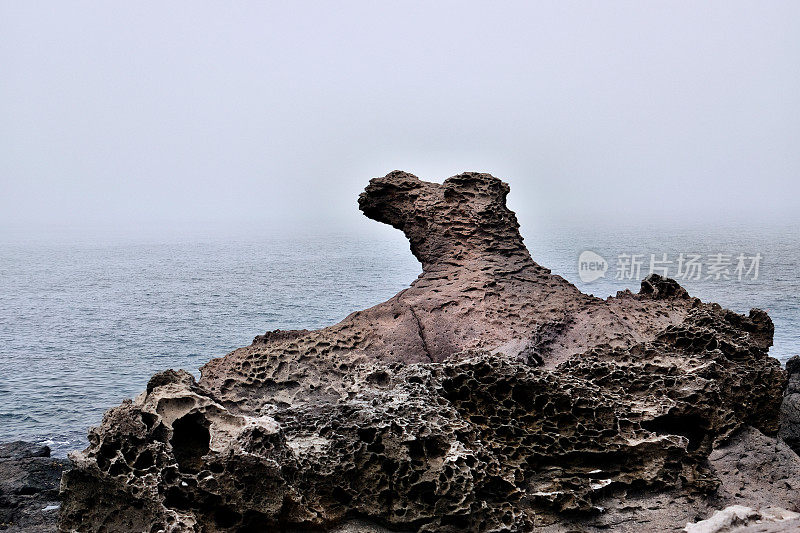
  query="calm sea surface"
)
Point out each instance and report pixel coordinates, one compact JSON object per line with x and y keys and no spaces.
{"x":84,"y":326}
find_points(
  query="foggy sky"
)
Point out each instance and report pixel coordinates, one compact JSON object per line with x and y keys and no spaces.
{"x":167,"y":117}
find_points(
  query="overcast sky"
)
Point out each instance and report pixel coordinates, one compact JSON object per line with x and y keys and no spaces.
{"x":142,"y":117}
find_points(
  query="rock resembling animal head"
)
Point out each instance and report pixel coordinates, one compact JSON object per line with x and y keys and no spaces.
{"x":465,"y":217}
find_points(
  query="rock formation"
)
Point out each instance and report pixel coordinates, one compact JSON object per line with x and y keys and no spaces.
{"x":490,"y":395}
{"x":29,"y":480}
{"x":790,"y":409}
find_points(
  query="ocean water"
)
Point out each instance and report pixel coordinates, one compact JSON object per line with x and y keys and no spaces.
{"x":84,"y":326}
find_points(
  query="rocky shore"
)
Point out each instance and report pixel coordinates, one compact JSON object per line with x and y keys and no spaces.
{"x":29,"y":483}
{"x":490,"y":395}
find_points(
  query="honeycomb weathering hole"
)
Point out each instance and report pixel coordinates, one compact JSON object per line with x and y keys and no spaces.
{"x":190,"y":441}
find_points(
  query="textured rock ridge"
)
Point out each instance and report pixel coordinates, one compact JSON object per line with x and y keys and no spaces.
{"x":490,"y":395}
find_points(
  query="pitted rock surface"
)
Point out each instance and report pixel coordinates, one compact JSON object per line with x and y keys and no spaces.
{"x":479,"y":290}
{"x":491,"y":395}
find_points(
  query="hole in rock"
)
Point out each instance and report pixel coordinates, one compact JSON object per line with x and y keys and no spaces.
{"x":494,"y":489}
{"x":255,"y":522}
{"x":108,"y":450}
{"x":144,"y":461}
{"x":424,"y":492}
{"x":225,"y":517}
{"x":149,"y":420}
{"x":117,"y":468}
{"x":190,"y":441}
{"x":175,"y":498}
{"x":456,"y":521}
{"x":416,"y":449}
{"x":692,"y":427}
{"x":341,"y":495}
{"x":367,"y":434}
{"x":435,"y":447}
{"x":380,"y":378}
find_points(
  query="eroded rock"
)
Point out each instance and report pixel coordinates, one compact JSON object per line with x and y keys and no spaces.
{"x":491,"y":395}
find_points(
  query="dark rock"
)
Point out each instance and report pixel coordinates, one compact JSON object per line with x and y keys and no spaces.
{"x":490,"y":395}
{"x":658,"y":286}
{"x":29,"y":484}
{"x":793,"y":370}
{"x":279,"y":335}
{"x":790,"y":408}
{"x":22,"y":450}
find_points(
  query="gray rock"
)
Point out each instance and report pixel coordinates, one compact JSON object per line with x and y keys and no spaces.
{"x":29,"y":485}
{"x":22,"y":450}
{"x":790,"y":408}
{"x":757,"y":471}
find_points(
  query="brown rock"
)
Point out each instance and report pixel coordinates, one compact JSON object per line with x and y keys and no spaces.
{"x":490,"y":395}
{"x":479,"y":290}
